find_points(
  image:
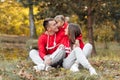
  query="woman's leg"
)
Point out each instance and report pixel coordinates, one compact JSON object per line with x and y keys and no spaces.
{"x":83,"y":60}
{"x":69,"y":60}
{"x":87,"y":49}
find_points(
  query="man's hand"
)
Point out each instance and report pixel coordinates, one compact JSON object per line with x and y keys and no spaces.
{"x":47,"y":60}
{"x":61,"y":47}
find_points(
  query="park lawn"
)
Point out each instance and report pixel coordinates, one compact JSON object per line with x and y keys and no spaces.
{"x":16,"y":65}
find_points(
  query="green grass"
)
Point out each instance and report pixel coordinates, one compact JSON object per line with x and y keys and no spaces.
{"x":106,"y":62}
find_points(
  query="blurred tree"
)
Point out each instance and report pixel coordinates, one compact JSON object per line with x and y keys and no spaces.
{"x":90,"y":23}
{"x":29,"y":4}
{"x":115,"y":13}
{"x":105,"y":31}
{"x":79,"y":8}
{"x":108,"y":11}
{"x":93,"y":15}
{"x":91,"y":11}
{"x":12,"y":21}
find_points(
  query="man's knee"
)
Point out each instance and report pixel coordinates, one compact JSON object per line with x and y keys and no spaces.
{"x":32,"y":52}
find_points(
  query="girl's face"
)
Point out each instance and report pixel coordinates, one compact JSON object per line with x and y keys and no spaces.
{"x":66,"y":31}
{"x":59,"y":24}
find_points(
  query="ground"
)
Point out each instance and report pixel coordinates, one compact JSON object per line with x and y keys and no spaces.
{"x":16,"y":65}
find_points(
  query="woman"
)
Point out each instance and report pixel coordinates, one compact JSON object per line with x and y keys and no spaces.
{"x":78,"y":52}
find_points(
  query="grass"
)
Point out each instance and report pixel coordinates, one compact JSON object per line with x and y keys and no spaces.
{"x":15,"y":65}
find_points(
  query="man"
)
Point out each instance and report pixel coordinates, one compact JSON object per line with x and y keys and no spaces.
{"x":49,"y":51}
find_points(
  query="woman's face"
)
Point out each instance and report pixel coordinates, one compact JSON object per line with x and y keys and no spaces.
{"x":66,"y":30}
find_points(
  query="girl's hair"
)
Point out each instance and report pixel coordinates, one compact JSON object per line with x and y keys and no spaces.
{"x":60,"y":18}
{"x":73,"y":32}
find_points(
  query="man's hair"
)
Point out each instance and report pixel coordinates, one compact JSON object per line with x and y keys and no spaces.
{"x":46,"y":22}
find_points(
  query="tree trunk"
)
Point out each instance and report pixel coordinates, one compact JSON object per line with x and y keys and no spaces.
{"x":90,"y":29}
{"x":117,"y":31}
{"x":31,"y":21}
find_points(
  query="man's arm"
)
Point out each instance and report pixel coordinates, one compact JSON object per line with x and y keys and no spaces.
{"x":42,"y":46}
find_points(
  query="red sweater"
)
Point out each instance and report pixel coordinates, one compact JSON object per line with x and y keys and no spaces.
{"x":44,"y":42}
{"x":47,"y":41}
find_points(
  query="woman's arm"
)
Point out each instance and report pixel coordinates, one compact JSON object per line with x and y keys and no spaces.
{"x":76,"y":44}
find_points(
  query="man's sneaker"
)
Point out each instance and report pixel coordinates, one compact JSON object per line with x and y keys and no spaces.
{"x":39,"y":67}
{"x":92,"y":71}
{"x":74,"y":68}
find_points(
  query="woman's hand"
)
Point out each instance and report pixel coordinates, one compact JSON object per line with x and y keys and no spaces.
{"x":76,"y":44}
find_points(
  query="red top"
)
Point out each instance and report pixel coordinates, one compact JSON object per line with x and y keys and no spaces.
{"x":65,"y":42}
{"x":47,"y":44}
{"x":61,"y":33}
{"x":80,"y":41}
{"x":62,"y":38}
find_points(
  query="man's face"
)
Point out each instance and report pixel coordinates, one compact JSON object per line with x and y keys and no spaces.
{"x":52,"y":26}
